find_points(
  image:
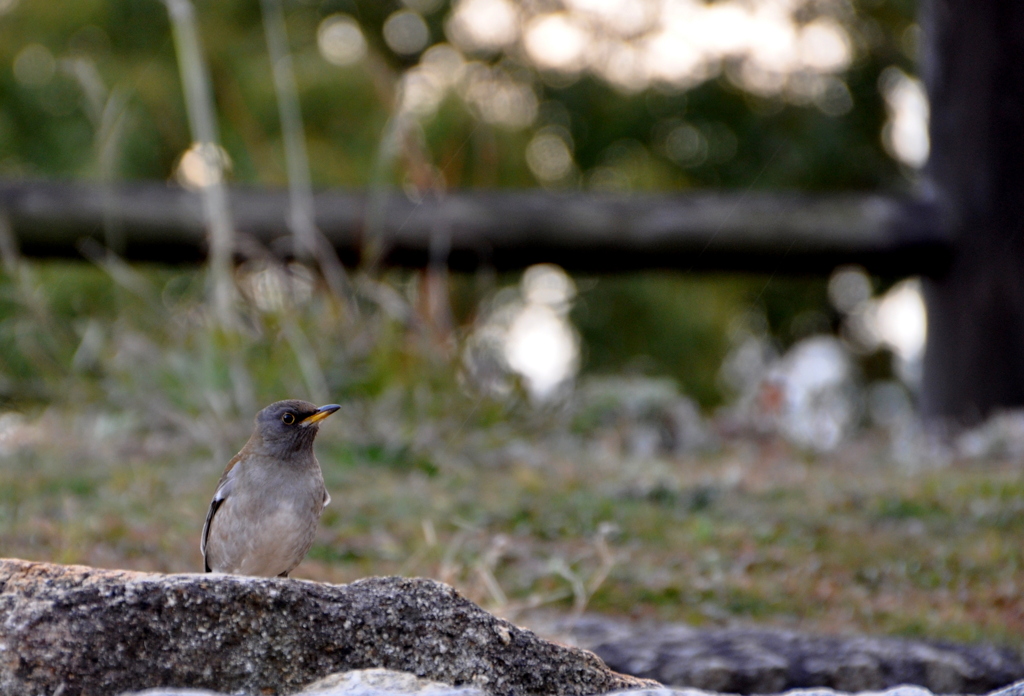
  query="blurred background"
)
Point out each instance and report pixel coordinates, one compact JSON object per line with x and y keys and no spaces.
{"x":713,"y":448}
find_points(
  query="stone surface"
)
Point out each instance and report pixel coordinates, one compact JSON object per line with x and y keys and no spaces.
{"x":171,"y":692}
{"x":357,"y":682}
{"x":1015,"y":689}
{"x":88,"y":631}
{"x":770,"y":661}
{"x":387,"y":683}
{"x":677,"y":691}
{"x":381,"y":682}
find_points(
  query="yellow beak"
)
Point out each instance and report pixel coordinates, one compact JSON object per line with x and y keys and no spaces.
{"x":318,"y":415}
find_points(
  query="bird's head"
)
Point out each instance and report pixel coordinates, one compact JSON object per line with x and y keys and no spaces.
{"x":289,"y":426}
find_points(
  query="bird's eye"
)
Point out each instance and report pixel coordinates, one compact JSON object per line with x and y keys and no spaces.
{"x":288,"y":418}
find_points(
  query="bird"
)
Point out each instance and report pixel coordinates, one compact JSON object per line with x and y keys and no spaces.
{"x":265,"y":512}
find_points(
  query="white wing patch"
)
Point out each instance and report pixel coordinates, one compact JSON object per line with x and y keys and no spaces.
{"x":223,"y":491}
{"x":225,"y":488}
{"x":327,"y":500}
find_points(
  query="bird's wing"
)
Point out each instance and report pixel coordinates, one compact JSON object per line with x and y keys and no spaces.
{"x":327,"y":500}
{"x":206,"y":531}
{"x":224,"y":486}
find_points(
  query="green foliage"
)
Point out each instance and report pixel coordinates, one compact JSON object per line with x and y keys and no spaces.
{"x":679,"y":325}
{"x":663,"y":323}
{"x":903,"y":509}
{"x":51,"y":129}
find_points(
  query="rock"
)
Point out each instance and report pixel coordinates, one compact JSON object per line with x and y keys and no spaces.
{"x":381,"y":682}
{"x":80,"y":630}
{"x":749,"y":661}
{"x":170,"y":692}
{"x":357,"y":682}
{"x":1015,"y":689}
{"x":673,"y":691}
{"x":374,"y":682}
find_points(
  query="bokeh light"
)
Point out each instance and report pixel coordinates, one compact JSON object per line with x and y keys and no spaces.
{"x":897,"y":320}
{"x":483,"y":25}
{"x":825,"y":46}
{"x":340,"y":40}
{"x":202,"y":165}
{"x":765,"y":47}
{"x":527,"y":333}
{"x":406,"y":32}
{"x":834,"y":97}
{"x":548,"y":154}
{"x":444,"y":64}
{"x":276,"y":288}
{"x":905,"y":135}
{"x":498,"y":97}
{"x":420,"y":92}
{"x":556,"y":42}
{"x":901,"y":323}
{"x":541,"y":345}
{"x":848,"y":288}
{"x":549,"y":285}
{"x":686,"y":146}
{"x":34,"y":65}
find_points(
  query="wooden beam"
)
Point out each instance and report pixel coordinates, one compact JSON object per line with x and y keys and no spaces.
{"x":769,"y":232}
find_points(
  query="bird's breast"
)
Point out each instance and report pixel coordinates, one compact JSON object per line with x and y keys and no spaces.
{"x":266,"y":529}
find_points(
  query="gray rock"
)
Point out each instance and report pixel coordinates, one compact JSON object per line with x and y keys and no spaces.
{"x":663,"y":691}
{"x":903,"y":690}
{"x":749,"y":661}
{"x":383,"y":682}
{"x":400,"y":684}
{"x":356,"y":682}
{"x":88,"y":631}
{"x":169,"y":692}
{"x":1015,"y":689}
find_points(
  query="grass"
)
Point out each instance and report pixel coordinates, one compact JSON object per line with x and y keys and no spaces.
{"x":113,"y":457}
{"x":845,"y":543}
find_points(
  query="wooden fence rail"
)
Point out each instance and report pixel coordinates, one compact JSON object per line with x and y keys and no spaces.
{"x":504,"y":230}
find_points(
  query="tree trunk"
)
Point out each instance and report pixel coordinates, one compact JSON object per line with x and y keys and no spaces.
{"x":974,"y":358}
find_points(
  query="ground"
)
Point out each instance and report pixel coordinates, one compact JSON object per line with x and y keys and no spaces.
{"x":533,"y":513}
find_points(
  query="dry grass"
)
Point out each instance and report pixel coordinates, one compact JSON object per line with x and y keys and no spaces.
{"x":754,"y":533}
{"x":516,"y":507}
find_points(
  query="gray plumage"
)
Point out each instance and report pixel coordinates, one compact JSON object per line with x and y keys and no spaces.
{"x":264,"y":515}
